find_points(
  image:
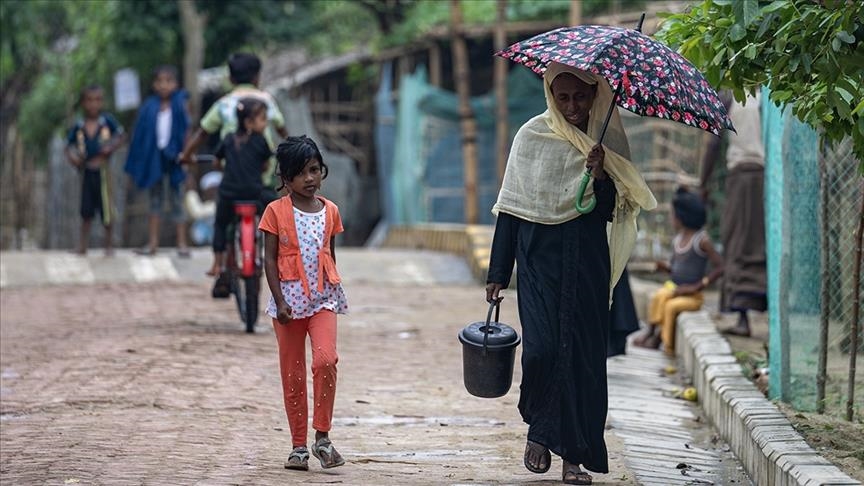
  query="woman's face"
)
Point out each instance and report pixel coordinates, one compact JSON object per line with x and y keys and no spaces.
{"x":573,"y":98}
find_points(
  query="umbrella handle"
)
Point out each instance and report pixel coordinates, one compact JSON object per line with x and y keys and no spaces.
{"x":580,"y":193}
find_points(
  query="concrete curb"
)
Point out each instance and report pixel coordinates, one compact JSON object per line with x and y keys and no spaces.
{"x":760,"y":435}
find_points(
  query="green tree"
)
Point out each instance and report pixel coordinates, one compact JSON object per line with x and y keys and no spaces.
{"x":809,"y":53}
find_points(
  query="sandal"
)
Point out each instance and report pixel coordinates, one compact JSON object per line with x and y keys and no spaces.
{"x":222,"y":287}
{"x":324,"y":451}
{"x":298,"y":459}
{"x":575,"y":476}
{"x":540,"y":451}
{"x":146,"y":251}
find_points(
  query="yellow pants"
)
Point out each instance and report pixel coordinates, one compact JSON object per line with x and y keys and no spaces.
{"x":664,"y":310}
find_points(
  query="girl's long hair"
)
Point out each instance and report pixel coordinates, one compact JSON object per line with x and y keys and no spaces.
{"x":293,"y":154}
{"x":247,"y":108}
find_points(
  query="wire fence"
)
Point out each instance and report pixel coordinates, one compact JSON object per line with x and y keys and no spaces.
{"x":813,"y":201}
{"x":842,"y":194}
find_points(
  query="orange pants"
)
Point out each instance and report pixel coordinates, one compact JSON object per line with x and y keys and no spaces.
{"x":664,"y":310}
{"x":291,"y":339}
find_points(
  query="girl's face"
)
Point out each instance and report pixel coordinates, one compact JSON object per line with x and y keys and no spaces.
{"x":257,"y":123}
{"x":308,"y":181}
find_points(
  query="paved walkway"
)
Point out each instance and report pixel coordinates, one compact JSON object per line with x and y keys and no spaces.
{"x":128,"y":381}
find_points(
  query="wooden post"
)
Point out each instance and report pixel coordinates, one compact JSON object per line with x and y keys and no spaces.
{"x":502,"y":129}
{"x":575,"y":13}
{"x":435,"y":65}
{"x":462,"y":80}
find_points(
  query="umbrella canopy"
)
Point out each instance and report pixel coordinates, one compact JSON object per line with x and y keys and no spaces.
{"x":650,"y":79}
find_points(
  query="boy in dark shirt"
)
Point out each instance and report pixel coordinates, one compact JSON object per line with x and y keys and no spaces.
{"x":91,"y":142}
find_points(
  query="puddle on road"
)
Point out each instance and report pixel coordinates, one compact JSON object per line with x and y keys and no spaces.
{"x":416,"y":421}
{"x":9,"y":374}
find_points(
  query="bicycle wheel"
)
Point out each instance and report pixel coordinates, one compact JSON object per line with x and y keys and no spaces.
{"x":250,"y":314}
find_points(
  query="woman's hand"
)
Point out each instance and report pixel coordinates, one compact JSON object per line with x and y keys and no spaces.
{"x":661,"y":266}
{"x":594,"y":162}
{"x":492,"y":291}
{"x":283,"y":313}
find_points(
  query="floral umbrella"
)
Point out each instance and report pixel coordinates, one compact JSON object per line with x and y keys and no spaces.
{"x":656,"y":80}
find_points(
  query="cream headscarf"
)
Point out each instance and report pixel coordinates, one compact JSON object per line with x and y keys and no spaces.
{"x":547,"y":160}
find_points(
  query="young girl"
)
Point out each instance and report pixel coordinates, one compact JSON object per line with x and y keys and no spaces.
{"x":691,"y":251}
{"x":245,"y":153}
{"x":300,"y":264}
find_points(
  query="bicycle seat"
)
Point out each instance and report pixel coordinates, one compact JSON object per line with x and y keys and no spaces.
{"x":245,"y":208}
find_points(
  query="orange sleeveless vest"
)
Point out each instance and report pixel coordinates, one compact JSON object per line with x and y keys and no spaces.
{"x":289,"y":260}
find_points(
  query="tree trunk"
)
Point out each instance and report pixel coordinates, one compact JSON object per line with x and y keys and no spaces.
{"x":193,"y":23}
{"x":575,"y":13}
{"x":856,"y":312}
{"x":462,"y":80}
{"x":822,"y":365}
{"x":502,"y":129}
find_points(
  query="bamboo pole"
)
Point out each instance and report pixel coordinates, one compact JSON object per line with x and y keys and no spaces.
{"x":575,"y":12}
{"x":822,"y":371}
{"x":856,"y":312}
{"x":502,"y":128}
{"x":462,"y":79}
{"x":435,"y":65}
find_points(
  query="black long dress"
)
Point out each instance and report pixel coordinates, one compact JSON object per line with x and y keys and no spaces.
{"x":563,"y":275}
{"x":622,"y":316}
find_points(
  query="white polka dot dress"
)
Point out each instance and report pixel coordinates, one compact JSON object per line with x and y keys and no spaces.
{"x":310,"y":236}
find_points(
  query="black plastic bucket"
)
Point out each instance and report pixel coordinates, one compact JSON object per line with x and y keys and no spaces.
{"x":488,"y":353}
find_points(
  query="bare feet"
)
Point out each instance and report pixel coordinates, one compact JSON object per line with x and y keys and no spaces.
{"x":742,"y":328}
{"x":640,"y":339}
{"x":652,"y":342}
{"x":214,"y":270}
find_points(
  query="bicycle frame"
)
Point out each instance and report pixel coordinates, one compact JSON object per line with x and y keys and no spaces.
{"x":248,"y":248}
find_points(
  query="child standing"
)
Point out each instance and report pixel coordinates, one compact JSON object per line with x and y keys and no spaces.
{"x":691,"y":251}
{"x":152,"y":162}
{"x":245,"y":153}
{"x":90,"y":143}
{"x":300,"y":264}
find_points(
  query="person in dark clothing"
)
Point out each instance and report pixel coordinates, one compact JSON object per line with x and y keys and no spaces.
{"x":160,"y":129}
{"x":90,"y":144}
{"x":622,"y":315}
{"x":567,"y":267}
{"x":245,"y":153}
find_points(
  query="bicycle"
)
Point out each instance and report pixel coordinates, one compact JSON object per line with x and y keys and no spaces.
{"x":244,"y":259}
{"x":244,"y":262}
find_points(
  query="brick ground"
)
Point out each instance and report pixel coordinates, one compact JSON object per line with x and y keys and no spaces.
{"x":157,"y":384}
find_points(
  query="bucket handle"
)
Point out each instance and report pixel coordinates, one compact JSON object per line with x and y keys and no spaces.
{"x":496,"y":305}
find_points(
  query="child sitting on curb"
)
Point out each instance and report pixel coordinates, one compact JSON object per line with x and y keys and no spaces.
{"x":691,"y":251}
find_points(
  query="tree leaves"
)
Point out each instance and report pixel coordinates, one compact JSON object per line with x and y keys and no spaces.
{"x":810,"y":55}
